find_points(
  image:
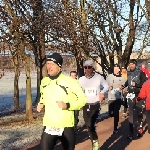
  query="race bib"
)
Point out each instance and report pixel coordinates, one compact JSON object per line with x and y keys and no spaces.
{"x":130,"y":95}
{"x":54,"y":131}
{"x":90,"y":91}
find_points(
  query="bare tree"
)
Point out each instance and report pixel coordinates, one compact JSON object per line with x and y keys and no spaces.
{"x":28,"y":19}
{"x":143,"y":34}
{"x":16,"y":37}
{"x":68,"y":29}
{"x":103,"y":28}
{"x":115,"y":24}
{"x":145,"y":8}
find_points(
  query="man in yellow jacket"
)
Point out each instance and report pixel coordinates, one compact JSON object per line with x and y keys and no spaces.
{"x":60,"y":96}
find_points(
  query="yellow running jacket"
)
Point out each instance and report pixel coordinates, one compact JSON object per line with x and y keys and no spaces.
{"x":65,"y":89}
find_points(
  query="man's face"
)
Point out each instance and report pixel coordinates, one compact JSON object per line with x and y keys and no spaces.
{"x":124,"y":70}
{"x":52,"y":68}
{"x":88,"y":69}
{"x":132,"y":66}
{"x":73,"y":75}
{"x":143,"y":66}
{"x":116,"y":70}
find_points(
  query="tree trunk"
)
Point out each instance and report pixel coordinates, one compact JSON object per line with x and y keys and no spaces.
{"x":131,"y":35}
{"x":147,"y":2}
{"x":29,"y":112}
{"x":80,"y":69}
{"x":16,"y":80}
{"x":38,"y":86}
{"x":39,"y":42}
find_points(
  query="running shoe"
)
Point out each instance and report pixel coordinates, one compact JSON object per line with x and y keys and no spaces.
{"x":140,"y":132}
{"x":115,"y":131}
{"x":95,"y":145}
{"x":130,"y":136}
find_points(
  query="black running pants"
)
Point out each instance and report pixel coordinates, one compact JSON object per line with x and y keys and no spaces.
{"x":76,"y":120}
{"x":68,"y":140}
{"x":90,"y":114}
{"x":139,"y":112}
{"x":114,"y":107}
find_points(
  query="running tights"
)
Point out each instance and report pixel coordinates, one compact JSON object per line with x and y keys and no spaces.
{"x":49,"y":141}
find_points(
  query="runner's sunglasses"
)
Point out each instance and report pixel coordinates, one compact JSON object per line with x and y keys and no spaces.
{"x":87,"y":67}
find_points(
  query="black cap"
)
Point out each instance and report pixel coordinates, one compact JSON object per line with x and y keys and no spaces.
{"x":123,"y":67}
{"x":133,"y":61}
{"x":56,"y":58}
{"x":116,"y":65}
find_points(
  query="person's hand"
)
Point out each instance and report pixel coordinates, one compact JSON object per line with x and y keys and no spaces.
{"x":110,"y":88}
{"x":101,"y":97}
{"x":61,"y":104}
{"x":133,"y":83}
{"x":121,"y":86}
{"x":137,"y":100}
{"x":39,"y":107}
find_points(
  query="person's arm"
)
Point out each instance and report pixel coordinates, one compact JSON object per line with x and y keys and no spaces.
{"x":123,"y":82}
{"x":109,"y":82}
{"x":104,"y":84}
{"x":78,"y":98}
{"x":143,"y":78}
{"x":41,"y":103}
{"x":147,"y":73}
{"x":105,"y":88}
{"x":143,"y":93}
{"x":42,"y":86}
{"x":126,"y":84}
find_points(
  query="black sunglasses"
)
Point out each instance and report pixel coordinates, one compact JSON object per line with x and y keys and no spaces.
{"x":87,"y":67}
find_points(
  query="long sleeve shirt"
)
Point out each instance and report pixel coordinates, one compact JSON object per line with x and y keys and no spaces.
{"x":114,"y":82}
{"x":92,"y":87}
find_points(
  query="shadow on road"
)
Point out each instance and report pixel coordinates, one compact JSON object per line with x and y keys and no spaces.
{"x":119,"y":140}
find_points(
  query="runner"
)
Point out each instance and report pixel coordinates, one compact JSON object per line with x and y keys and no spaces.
{"x":124,"y":102}
{"x":60,"y":99}
{"x":124,"y":72}
{"x":136,"y":78}
{"x":91,"y":83}
{"x":145,"y":93}
{"x":145,"y":70}
{"x":115,"y":82}
{"x":73,"y":74}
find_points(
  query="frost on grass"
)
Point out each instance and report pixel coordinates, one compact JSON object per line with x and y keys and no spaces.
{"x":20,"y":135}
{"x":14,"y":132}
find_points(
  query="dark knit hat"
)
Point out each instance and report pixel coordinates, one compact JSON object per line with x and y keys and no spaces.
{"x":116,"y":65}
{"x":123,"y":67}
{"x":56,"y":58}
{"x":133,"y":61}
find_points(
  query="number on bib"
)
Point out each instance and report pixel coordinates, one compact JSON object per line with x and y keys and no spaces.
{"x":90,"y":91}
{"x":54,"y":131}
{"x":130,"y":95}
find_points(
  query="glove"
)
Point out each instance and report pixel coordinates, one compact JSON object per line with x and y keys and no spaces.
{"x":138,"y":99}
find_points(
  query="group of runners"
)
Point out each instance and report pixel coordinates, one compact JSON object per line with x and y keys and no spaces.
{"x":62,"y":97}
